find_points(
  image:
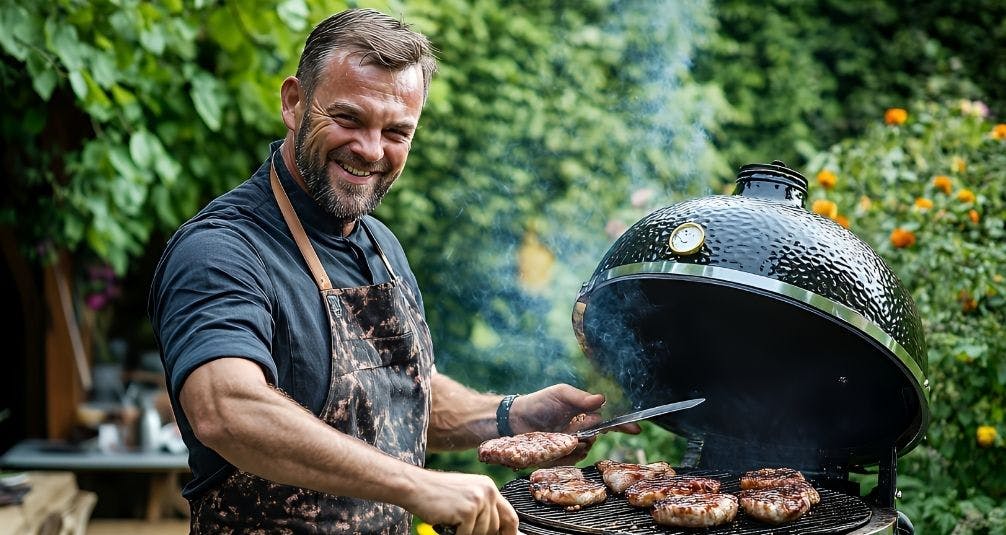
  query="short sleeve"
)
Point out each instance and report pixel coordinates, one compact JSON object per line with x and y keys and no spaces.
{"x":210,"y":298}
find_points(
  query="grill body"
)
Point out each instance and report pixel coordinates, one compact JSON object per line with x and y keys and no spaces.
{"x":838,"y":512}
{"x":807,"y":347}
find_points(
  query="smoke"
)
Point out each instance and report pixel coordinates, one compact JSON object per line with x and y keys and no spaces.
{"x":530,"y":270}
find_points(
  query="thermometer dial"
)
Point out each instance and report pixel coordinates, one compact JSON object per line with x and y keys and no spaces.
{"x":687,"y":238}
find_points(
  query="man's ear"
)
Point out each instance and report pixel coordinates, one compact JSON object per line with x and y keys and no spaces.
{"x":292,"y":99}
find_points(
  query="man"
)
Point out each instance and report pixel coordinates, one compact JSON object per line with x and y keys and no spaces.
{"x":292,"y":332}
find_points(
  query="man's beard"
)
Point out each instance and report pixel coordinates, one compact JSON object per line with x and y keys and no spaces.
{"x":343,"y":201}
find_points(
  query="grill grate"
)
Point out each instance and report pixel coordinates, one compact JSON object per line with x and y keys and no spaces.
{"x":837,"y":513}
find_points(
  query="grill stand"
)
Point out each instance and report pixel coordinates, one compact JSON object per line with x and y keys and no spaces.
{"x":886,"y":491}
{"x":887,"y":479}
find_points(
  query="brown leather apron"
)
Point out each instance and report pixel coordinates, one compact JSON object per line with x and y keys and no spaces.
{"x":382,"y":360}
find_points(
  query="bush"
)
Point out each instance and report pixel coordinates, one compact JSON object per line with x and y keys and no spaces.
{"x":544,"y":119}
{"x":928,"y":192}
{"x":803,"y":75}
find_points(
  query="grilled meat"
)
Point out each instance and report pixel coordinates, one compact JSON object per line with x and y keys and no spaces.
{"x":769,"y":477}
{"x":777,"y":505}
{"x":648,"y":491}
{"x":527,"y":449}
{"x":620,"y":476}
{"x":701,"y":510}
{"x":571,"y":494}
{"x":558,"y":474}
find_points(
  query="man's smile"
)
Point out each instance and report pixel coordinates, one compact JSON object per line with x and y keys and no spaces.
{"x":354,"y":171}
{"x":353,"y":174}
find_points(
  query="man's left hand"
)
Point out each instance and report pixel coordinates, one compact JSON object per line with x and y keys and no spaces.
{"x":563,"y":409}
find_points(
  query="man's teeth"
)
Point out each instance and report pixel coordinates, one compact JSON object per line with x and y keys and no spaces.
{"x":354,"y":171}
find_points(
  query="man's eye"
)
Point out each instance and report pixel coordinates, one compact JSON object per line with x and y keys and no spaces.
{"x":346,"y":120}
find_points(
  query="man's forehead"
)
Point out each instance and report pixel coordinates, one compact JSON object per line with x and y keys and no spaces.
{"x":341,"y":63}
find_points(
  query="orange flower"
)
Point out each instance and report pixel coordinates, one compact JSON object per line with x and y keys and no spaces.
{"x":923,"y":203}
{"x":825,"y":207}
{"x":968,"y":303}
{"x":973,"y":215}
{"x":986,"y":435}
{"x":943,"y":183}
{"x":895,"y":116}
{"x":902,"y":238}
{"x":999,"y":132}
{"x":842,"y":220}
{"x":826,"y":179}
{"x":958,"y":164}
{"x":865,"y":203}
{"x":966,"y":195}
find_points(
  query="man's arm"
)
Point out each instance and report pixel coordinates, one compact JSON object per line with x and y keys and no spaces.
{"x":462,"y":418}
{"x":234,"y":411}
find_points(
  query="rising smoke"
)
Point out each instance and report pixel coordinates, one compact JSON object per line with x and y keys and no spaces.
{"x":662,"y":153}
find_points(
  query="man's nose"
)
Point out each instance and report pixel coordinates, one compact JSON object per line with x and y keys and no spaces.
{"x":369,"y":145}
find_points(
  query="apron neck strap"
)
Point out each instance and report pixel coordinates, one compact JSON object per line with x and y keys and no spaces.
{"x":299,"y":236}
{"x":380,"y":251}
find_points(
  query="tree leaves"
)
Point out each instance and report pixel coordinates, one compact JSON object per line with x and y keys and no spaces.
{"x":208,"y":97}
{"x":293,"y":13}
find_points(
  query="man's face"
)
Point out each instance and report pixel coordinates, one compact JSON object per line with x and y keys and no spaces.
{"x":355,"y":133}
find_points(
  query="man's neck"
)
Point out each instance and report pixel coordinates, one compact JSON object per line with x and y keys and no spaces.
{"x":287,"y":151}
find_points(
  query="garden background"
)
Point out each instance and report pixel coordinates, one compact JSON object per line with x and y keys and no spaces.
{"x":550,"y":127}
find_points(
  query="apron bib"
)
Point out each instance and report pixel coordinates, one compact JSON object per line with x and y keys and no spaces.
{"x":379,"y":392}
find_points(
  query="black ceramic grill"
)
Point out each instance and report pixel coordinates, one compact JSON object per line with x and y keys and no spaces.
{"x":836,"y":513}
{"x":806,"y":346}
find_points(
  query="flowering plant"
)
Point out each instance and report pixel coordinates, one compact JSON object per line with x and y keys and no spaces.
{"x":930,"y":196}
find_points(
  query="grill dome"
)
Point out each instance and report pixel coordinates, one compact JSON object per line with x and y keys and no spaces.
{"x":795,"y":330}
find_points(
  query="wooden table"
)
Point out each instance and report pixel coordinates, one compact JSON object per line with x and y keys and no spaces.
{"x":163,"y":467}
{"x":54,"y":505}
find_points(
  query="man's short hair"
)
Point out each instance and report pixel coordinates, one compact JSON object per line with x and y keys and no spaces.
{"x":380,"y":39}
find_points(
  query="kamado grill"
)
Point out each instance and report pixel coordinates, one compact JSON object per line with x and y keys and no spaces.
{"x":806,"y":346}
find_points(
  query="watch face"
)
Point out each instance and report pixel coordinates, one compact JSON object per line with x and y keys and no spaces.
{"x":687,"y":238}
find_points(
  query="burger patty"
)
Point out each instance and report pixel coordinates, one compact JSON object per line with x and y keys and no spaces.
{"x":571,"y":494}
{"x":648,"y":491}
{"x":620,"y":476}
{"x":527,"y":449}
{"x":700,"y":510}
{"x":556,"y":475}
{"x":770,"y":477}
{"x":777,"y":505}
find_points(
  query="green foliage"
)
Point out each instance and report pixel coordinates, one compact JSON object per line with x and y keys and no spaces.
{"x":956,"y":269}
{"x":126,"y":117}
{"x":801,"y":75}
{"x":543,"y":120}
{"x":123,"y":118}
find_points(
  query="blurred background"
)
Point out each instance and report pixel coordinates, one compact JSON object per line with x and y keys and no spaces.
{"x":551,"y":127}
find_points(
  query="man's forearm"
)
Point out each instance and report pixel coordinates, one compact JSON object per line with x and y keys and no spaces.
{"x":461,"y":418}
{"x":261,"y":431}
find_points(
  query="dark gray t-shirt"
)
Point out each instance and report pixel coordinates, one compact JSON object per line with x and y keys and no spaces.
{"x":232,"y":283}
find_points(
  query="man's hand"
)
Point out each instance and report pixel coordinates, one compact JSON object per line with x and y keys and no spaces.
{"x":470,"y":503}
{"x":564,"y":409}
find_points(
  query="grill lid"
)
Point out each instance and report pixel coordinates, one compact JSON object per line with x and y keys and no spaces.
{"x":797,"y":333}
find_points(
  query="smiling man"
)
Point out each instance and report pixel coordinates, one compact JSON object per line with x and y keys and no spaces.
{"x":292,"y":330}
